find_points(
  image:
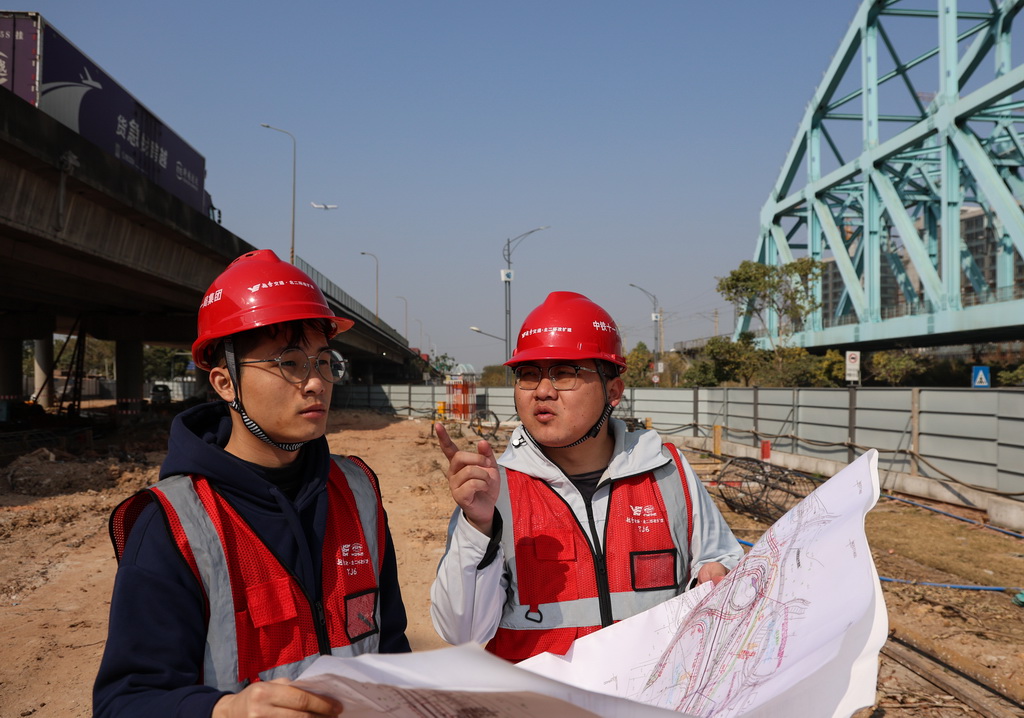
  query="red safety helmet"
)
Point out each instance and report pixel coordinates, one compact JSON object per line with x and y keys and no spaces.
{"x":257,"y":290}
{"x":568,"y":326}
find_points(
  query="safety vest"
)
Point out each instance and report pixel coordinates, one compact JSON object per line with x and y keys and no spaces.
{"x":564,"y":585}
{"x":261,"y":624}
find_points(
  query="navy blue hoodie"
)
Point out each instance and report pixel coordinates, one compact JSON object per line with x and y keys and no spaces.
{"x":156,"y":638}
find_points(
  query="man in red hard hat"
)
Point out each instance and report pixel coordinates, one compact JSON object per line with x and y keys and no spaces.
{"x":579,"y":523}
{"x":257,"y":551}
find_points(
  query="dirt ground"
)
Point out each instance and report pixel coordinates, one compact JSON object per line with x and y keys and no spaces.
{"x":57,"y":567}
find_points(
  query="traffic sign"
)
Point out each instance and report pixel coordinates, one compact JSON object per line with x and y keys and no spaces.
{"x":981,"y":377}
{"x":853,"y":366}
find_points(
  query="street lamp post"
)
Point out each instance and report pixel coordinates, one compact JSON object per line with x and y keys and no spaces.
{"x":478,"y":330}
{"x":294,"y":152}
{"x":421,"y":334}
{"x":376,"y":287}
{"x":506,"y":277}
{"x":406,"y":317}
{"x":659,"y":336}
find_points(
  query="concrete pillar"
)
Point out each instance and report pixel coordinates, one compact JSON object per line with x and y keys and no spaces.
{"x":10,"y":370}
{"x":43,"y":361}
{"x":128,"y":368}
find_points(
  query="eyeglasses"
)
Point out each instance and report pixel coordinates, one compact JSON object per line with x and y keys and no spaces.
{"x":294,"y":365}
{"x":563,"y":376}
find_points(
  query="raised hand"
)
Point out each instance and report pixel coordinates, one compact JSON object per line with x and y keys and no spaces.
{"x":473,"y":479}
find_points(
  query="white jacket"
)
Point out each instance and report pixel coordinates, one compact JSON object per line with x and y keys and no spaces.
{"x":467,"y":603}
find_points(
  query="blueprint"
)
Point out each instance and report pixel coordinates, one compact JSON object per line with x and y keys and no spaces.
{"x":794,"y":629}
{"x":458,"y":682}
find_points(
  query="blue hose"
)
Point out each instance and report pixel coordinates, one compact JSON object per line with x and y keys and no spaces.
{"x":958,"y":518}
{"x":951,"y":585}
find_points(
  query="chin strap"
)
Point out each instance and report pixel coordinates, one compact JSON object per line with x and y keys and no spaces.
{"x":236,"y":403}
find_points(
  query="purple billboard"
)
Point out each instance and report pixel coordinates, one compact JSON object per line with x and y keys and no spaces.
{"x":64,"y":83}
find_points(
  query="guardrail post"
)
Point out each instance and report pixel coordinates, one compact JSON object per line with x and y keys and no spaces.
{"x":915,"y":428}
{"x":696,"y":411}
{"x":756,"y":436}
{"x":851,"y":428}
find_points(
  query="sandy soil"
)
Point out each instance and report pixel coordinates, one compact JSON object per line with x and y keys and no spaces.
{"x":57,"y":567}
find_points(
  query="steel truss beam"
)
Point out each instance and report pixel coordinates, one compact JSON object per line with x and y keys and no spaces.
{"x":914,"y":199}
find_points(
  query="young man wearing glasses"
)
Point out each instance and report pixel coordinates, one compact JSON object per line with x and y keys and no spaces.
{"x":257,"y":551}
{"x":579,"y":523}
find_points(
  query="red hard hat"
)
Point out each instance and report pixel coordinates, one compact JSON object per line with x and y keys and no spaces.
{"x":257,"y":290}
{"x":568,"y":326}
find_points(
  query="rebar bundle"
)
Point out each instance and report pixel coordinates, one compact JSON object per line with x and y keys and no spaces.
{"x":761,"y":490}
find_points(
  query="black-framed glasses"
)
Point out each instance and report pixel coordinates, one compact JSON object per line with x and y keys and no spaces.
{"x":563,"y":376}
{"x":294,"y":365}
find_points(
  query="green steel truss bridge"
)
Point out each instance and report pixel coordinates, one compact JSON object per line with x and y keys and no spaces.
{"x":905,"y":178}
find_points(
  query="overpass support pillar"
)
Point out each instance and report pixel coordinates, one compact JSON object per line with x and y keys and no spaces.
{"x":43,"y":361}
{"x":128,"y":365}
{"x":10,"y":370}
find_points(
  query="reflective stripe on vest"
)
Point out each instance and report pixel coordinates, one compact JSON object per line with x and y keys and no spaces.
{"x":555,"y":564}
{"x":261,"y":625}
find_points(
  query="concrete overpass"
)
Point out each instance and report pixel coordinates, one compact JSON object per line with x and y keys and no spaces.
{"x":87,"y":241}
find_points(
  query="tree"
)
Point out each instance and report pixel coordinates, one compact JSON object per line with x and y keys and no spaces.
{"x":443,"y":364}
{"x":638,"y":365}
{"x":783,"y":290}
{"x":700,"y":373}
{"x":1012,"y":378}
{"x":675,"y":367}
{"x":493,"y":375}
{"x":831,"y":369}
{"x":164,"y":362}
{"x":791,"y":366}
{"x":895,"y":367}
{"x":738,"y":361}
{"x":99,"y":355}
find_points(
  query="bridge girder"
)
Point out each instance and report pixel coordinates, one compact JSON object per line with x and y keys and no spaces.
{"x":905,"y":177}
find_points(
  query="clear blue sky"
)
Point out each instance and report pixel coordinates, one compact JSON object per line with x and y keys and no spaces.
{"x":647,"y":134}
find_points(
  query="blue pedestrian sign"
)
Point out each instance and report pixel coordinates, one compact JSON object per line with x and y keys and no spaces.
{"x":981,"y":377}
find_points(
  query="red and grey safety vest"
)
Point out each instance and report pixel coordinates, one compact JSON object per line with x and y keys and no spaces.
{"x":565,"y":585}
{"x":261,"y":623}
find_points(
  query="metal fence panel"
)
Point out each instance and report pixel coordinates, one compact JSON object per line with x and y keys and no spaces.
{"x":881,"y":421}
{"x":669,"y":411}
{"x":884,"y":399}
{"x":777,"y":417}
{"x":974,"y":436}
{"x":967,"y":450}
{"x":952,"y":400}
{"x":961,"y":423}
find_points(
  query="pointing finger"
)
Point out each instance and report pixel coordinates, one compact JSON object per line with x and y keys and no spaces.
{"x":448,"y":446}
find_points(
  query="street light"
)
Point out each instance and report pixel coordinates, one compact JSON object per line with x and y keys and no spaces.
{"x":376,"y":286}
{"x":659,"y":336}
{"x":478,"y":330}
{"x":406,"y":317}
{"x":294,"y":152}
{"x":506,"y":277}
